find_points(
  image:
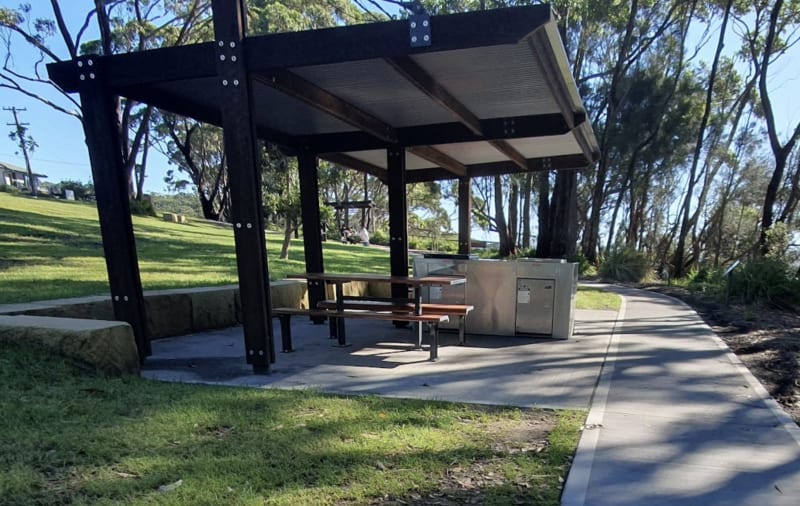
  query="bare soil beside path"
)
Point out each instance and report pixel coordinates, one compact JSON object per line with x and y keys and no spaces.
{"x":766,"y":341}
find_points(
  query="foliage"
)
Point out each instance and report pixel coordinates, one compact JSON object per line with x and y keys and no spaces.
{"x":143,"y":207}
{"x":9,"y":188}
{"x":379,"y":237}
{"x":585,"y":267}
{"x":177,"y":203}
{"x":767,"y":281}
{"x":72,"y":437}
{"x":82,"y":191}
{"x":626,"y":265}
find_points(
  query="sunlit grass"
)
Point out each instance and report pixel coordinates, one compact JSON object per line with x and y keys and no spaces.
{"x":595,"y":298}
{"x":71,"y":437}
{"x":53,"y":249}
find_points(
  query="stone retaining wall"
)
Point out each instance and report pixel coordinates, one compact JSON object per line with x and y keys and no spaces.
{"x":107,"y":345}
{"x":172,"y":312}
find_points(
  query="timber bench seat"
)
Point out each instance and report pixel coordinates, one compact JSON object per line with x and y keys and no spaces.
{"x":451,"y":310}
{"x":390,"y":314}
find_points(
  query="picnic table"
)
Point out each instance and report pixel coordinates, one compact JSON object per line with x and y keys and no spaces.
{"x":404,"y":309}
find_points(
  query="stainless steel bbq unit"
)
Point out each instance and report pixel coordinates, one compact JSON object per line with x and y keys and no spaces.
{"x":526,"y":297}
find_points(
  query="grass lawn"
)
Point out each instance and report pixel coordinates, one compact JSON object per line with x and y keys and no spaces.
{"x":69,"y":436}
{"x":595,"y":298}
{"x":51,"y":249}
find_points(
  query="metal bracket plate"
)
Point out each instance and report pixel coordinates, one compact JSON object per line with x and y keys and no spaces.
{"x":419,"y":30}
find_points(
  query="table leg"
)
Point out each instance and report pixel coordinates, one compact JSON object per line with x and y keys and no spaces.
{"x":340,"y":334}
{"x":418,"y":311}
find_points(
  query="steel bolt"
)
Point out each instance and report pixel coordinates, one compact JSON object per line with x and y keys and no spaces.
{"x":233,"y":44}
{"x":80,"y":64}
{"x":91,"y":75}
{"x":233,"y":58}
{"x":425,"y":23}
{"x":83,"y":77}
{"x":427,"y":38}
{"x":413,"y":24}
{"x":238,"y":225}
{"x":221,"y":43}
{"x":222,"y":57}
{"x":125,"y":298}
{"x":224,"y":82}
{"x":414,"y":38}
{"x":236,"y":82}
{"x":90,"y":62}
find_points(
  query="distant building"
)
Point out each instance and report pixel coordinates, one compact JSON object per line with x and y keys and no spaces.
{"x":12,"y":175}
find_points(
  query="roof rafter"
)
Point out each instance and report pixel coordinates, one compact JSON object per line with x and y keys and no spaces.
{"x":441,"y":159}
{"x":356,"y":164}
{"x":417,"y":76}
{"x":306,"y":91}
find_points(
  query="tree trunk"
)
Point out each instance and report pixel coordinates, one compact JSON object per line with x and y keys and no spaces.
{"x":563,"y":215}
{"x":544,"y":218}
{"x":679,"y":262}
{"x":591,"y":237}
{"x":527,"y":191}
{"x":781,"y":152}
{"x":500,"y":218}
{"x":287,"y":239}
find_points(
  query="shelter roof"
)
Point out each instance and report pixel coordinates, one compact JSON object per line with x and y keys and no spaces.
{"x":491,"y":94}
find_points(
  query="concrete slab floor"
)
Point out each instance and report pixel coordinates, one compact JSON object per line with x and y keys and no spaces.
{"x":512,"y":371}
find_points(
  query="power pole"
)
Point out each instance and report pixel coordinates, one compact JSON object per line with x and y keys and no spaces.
{"x":21,"y":132}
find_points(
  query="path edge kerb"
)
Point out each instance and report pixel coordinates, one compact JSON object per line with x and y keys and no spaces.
{"x":783,"y":417}
{"x":577,"y":484}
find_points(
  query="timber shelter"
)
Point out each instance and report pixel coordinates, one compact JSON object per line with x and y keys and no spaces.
{"x":420,"y":99}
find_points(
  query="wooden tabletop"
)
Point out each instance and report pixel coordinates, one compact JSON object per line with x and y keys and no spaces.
{"x":400,"y":280}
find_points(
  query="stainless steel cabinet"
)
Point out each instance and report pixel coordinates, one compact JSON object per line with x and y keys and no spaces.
{"x":535,"y":299}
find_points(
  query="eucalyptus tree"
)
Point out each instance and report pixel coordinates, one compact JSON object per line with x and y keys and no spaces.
{"x":119,"y":26}
{"x":769,"y":30}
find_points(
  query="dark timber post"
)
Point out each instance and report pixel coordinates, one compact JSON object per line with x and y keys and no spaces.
{"x":241,"y":151}
{"x":312,"y":230}
{"x":113,"y":207}
{"x":464,"y":216}
{"x":398,"y":216}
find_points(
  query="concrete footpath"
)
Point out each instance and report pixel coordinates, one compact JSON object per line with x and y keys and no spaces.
{"x":677,"y":420}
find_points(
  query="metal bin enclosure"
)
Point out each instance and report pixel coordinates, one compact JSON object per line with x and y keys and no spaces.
{"x":435,"y":264}
{"x":526,"y":297}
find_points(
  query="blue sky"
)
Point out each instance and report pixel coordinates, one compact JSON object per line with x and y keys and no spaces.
{"x":62,"y":152}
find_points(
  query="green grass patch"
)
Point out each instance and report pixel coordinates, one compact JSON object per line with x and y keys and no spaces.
{"x":51,"y":249}
{"x":71,"y":437}
{"x":595,"y":298}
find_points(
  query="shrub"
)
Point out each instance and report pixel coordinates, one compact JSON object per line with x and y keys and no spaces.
{"x":379,"y":237}
{"x":7,"y":188}
{"x":766,"y":281}
{"x":625,"y":265}
{"x":585,"y":267}
{"x":708,"y":281}
{"x":82,"y":191}
{"x":143,"y":207}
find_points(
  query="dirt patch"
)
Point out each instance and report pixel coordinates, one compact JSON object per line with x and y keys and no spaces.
{"x":767,"y":341}
{"x":472,"y":483}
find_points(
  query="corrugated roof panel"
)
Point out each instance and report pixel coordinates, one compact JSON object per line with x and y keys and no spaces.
{"x":469,"y":153}
{"x":377,"y":157}
{"x":493,"y":81}
{"x":539,"y":147}
{"x":376,"y":88}
{"x":287,"y":114}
